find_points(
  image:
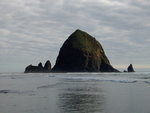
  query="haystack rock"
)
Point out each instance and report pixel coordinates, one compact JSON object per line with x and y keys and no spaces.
{"x":130,"y":68}
{"x":82,"y":53}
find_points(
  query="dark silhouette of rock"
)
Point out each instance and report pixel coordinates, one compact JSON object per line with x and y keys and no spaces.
{"x":39,"y":68}
{"x":47,"y":66}
{"x":40,"y":65}
{"x":125,"y":71}
{"x":130,"y":68}
{"x":32,"y":69}
{"x":82,"y":53}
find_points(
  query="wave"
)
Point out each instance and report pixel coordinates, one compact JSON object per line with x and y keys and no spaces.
{"x":48,"y":85}
{"x":145,"y":77}
{"x":148,"y":82}
{"x":5,"y":91}
{"x":100,"y":79}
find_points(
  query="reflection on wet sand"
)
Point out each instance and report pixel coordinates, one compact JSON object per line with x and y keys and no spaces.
{"x":81,"y":99}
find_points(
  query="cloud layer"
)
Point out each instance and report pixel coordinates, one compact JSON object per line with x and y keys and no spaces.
{"x":34,"y":30}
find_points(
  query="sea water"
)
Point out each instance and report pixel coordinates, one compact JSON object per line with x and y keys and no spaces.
{"x":75,"y":92}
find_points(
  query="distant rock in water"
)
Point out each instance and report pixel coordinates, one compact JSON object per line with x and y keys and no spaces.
{"x":82,"y":53}
{"x":125,"y":71}
{"x":130,"y":68}
{"x":33,"y":69}
{"x":39,"y":68}
{"x":47,"y":66}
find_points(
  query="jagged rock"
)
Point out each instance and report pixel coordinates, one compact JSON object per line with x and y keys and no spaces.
{"x":40,"y":65}
{"x":130,"y":68}
{"x":82,"y":53}
{"x":33,"y":69}
{"x":47,"y":66}
{"x":39,"y":68}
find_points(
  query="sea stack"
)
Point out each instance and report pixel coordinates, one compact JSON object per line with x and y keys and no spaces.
{"x":82,"y":53}
{"x":47,"y":66}
{"x":39,"y":68}
{"x":130,"y":68}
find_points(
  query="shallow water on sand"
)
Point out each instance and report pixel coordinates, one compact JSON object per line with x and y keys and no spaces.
{"x":75,"y":93}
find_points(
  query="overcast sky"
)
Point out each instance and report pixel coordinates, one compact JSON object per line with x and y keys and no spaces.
{"x":34,"y":30}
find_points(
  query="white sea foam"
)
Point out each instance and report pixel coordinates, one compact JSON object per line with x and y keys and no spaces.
{"x":101,"y":79}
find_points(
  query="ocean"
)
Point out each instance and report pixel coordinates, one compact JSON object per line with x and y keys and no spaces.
{"x":75,"y":92}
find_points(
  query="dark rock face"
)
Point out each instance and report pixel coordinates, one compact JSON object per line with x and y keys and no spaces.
{"x":82,"y":53}
{"x":130,"y":68}
{"x":33,"y":69}
{"x":40,"y":65}
{"x":39,"y":68}
{"x":47,"y":66}
{"x":125,"y":71}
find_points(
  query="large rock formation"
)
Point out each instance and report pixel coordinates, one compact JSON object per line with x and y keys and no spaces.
{"x":39,"y":68}
{"x":130,"y":68}
{"x":82,"y":53}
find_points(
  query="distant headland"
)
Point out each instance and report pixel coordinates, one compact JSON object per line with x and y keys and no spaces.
{"x":80,"y":53}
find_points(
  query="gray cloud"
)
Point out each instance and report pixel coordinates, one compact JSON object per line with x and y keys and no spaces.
{"x":34,"y":30}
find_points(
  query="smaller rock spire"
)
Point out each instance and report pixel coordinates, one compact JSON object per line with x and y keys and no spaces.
{"x":47,"y":66}
{"x":130,"y":68}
